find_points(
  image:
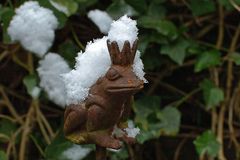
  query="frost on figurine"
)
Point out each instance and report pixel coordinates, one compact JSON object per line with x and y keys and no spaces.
{"x":108,"y":102}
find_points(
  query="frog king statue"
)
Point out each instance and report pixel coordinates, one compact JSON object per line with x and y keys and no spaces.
{"x":108,"y":103}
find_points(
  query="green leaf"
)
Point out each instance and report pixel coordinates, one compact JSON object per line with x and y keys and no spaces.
{"x":170,"y":119}
{"x":122,"y":154}
{"x":212,"y":95}
{"x":139,"y":5}
{"x":57,"y":147}
{"x":3,"y":155}
{"x":30,"y":83}
{"x":6,"y":15}
{"x":68,"y":51}
{"x":176,"y":50}
{"x":156,"y":11}
{"x":235,"y":57}
{"x":207,"y":144}
{"x":145,"y":107}
{"x":7,"y":127}
{"x":164,"y":27}
{"x":70,"y":6}
{"x":227,"y":4}
{"x":154,"y":122}
{"x":152,"y":60}
{"x":55,"y":150}
{"x":207,"y":59}
{"x":119,"y":8}
{"x":201,"y":7}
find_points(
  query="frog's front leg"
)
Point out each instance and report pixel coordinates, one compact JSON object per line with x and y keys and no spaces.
{"x":96,"y":118}
{"x":74,"y":117}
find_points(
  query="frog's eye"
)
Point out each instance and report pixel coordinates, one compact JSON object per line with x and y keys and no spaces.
{"x":112,"y":74}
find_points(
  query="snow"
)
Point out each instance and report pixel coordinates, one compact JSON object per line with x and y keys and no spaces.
{"x":49,"y":70}
{"x":33,"y":26}
{"x":101,"y":19}
{"x":131,"y":130}
{"x":123,"y":29}
{"x":59,"y":7}
{"x":76,"y":152}
{"x":90,"y":65}
{"x":138,"y":67}
{"x":117,"y":132}
{"x":95,"y":61}
{"x":35,"y":92}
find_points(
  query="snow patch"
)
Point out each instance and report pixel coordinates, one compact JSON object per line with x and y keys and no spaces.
{"x":59,"y":7}
{"x":101,"y":19}
{"x":76,"y":152}
{"x":33,"y":26}
{"x":123,"y":29}
{"x":49,"y":71}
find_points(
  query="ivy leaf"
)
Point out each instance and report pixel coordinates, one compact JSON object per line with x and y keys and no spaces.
{"x":170,"y":120}
{"x":176,"y":50}
{"x":235,"y":57}
{"x":55,"y":151}
{"x":122,"y":154}
{"x":119,"y":8}
{"x":156,"y":10}
{"x":207,"y":59}
{"x":7,"y":127}
{"x":212,"y":95}
{"x":139,"y":5}
{"x":207,"y":144}
{"x":154,"y":122}
{"x":6,"y":15}
{"x":68,"y":7}
{"x":164,"y":27}
{"x":30,"y":83}
{"x":66,"y":50}
{"x":3,"y":155}
{"x":201,"y":7}
{"x":144,"y":107}
{"x":227,"y":4}
{"x":57,"y":147}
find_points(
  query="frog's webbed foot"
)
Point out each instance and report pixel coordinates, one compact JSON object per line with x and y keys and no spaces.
{"x":104,"y":139}
{"x":74,"y":117}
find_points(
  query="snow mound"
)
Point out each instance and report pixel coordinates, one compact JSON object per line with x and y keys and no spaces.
{"x":123,"y":29}
{"x":90,"y":65}
{"x":101,"y":19}
{"x":49,"y":70}
{"x":76,"y":152}
{"x":33,"y":26}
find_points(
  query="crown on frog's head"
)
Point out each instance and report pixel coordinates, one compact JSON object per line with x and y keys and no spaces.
{"x":124,"y":57}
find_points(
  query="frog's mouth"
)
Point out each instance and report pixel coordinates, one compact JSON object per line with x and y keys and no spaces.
{"x":120,"y":89}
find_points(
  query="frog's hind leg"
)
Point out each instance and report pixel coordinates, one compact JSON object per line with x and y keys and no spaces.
{"x":74,"y":117}
{"x":104,"y":139}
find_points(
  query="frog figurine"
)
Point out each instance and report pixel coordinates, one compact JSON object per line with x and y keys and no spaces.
{"x":108,"y":103}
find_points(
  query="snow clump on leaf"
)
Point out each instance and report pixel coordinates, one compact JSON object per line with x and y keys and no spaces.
{"x":33,"y":26}
{"x":76,"y":152}
{"x":101,"y":19}
{"x":49,"y":70}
